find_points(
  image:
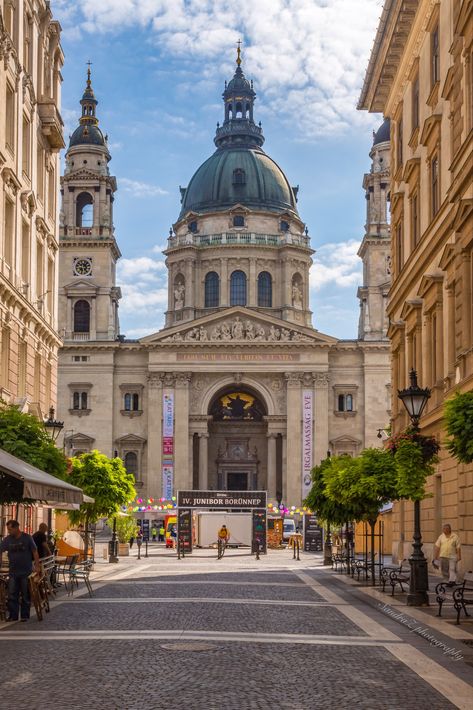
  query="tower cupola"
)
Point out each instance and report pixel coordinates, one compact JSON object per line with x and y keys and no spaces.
{"x":239,"y":128}
{"x":88,"y":131}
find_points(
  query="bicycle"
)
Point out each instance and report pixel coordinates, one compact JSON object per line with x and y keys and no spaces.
{"x":221,"y":545}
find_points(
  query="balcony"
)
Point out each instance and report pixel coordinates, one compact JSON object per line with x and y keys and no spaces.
{"x":238,"y":238}
{"x":93,"y":232}
{"x":80,"y":336}
{"x":51,"y":123}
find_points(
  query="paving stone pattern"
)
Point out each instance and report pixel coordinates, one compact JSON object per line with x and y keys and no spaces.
{"x":143,"y":675}
{"x":178,"y":672}
{"x":299,"y":592}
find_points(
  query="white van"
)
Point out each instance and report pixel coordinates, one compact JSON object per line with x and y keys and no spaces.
{"x":288,"y":529}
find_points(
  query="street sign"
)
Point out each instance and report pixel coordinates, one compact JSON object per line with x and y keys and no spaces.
{"x":259,"y":530}
{"x":145,"y":530}
{"x":313,"y":534}
{"x":184,"y":528}
{"x":220,"y":500}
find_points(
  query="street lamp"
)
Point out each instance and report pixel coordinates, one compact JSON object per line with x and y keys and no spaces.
{"x":414,"y":398}
{"x":52,"y":426}
{"x":328,"y":537}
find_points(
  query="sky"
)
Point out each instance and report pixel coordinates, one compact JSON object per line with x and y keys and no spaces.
{"x":158,"y":72}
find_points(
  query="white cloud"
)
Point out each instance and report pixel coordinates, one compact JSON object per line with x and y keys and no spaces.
{"x":307,"y":56}
{"x":336,"y":265}
{"x":141,"y":189}
{"x":143,"y":282}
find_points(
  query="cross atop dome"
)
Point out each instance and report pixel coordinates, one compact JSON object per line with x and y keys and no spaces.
{"x":88,"y":101}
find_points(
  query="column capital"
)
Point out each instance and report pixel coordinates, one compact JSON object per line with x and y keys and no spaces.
{"x":203,"y":434}
{"x":182,"y":379}
{"x":271,"y":435}
{"x":293,"y":379}
{"x":155,"y":380}
{"x":321,"y":379}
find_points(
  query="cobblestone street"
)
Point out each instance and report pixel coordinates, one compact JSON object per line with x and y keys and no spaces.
{"x":225,"y":635}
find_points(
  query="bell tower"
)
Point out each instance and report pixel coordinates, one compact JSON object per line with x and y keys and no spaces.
{"x":375,"y":249}
{"x":88,"y":296}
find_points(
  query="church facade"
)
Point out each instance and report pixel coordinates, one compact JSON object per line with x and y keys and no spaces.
{"x":238,"y":391}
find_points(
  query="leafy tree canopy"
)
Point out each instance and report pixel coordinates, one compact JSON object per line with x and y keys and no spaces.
{"x":330,"y":509}
{"x":103,"y":479}
{"x":458,"y":414}
{"x":24,"y":436}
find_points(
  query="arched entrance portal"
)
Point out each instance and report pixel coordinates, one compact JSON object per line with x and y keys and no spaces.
{"x":237,"y":448}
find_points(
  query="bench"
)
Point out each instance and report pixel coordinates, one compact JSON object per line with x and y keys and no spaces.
{"x":460,"y":595}
{"x":361,"y":565}
{"x":395,"y":575}
{"x":339,"y":559}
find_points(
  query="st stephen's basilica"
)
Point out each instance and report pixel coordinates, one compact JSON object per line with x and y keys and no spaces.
{"x":238,"y":391}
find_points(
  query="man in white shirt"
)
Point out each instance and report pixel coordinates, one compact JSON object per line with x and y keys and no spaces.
{"x":448,"y":549}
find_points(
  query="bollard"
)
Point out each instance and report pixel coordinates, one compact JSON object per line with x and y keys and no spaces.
{"x":257,"y":549}
{"x":298,"y":549}
{"x":139,"y":550}
{"x":146,"y":548}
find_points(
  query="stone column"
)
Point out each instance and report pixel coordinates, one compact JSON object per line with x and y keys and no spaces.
{"x":224,"y":282}
{"x":440,"y":373}
{"x":321,"y":416}
{"x":191,"y":459}
{"x":466,"y":299}
{"x":426,"y":352}
{"x":189,"y":296}
{"x":271,"y":477}
{"x":292,"y":477}
{"x":284,"y":467}
{"x":203,"y":461}
{"x":451,"y":344}
{"x":182,"y":475}
{"x":252,"y":295}
{"x":154,"y":482}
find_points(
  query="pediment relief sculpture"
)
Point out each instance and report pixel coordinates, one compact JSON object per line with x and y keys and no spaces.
{"x":238,"y":331}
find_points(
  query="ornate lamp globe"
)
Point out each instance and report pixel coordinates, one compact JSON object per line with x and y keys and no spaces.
{"x":414,"y":398}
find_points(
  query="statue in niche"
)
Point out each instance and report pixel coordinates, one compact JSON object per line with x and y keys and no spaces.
{"x":296,"y":296}
{"x":250,"y":330}
{"x":237,"y":330}
{"x":179,"y":294}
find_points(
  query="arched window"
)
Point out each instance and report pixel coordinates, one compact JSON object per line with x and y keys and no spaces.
{"x":238,"y":110}
{"x":193,"y":226}
{"x":265,"y":290}
{"x":212,"y":290}
{"x":238,"y":288}
{"x":85,"y":210}
{"x":131,"y":463}
{"x":82,"y":317}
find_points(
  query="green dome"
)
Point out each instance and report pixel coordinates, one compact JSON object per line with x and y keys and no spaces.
{"x":234,"y":175}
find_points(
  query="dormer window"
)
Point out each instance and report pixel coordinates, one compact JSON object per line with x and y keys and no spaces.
{"x":238,"y":220}
{"x":239,"y":177}
{"x":284,"y":226}
{"x":193,"y":226}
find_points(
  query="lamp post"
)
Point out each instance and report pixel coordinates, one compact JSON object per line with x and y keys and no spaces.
{"x":52,"y":426}
{"x":414,"y":398}
{"x":328,"y":536}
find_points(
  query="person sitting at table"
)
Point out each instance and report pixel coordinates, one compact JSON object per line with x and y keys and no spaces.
{"x":41,"y":541}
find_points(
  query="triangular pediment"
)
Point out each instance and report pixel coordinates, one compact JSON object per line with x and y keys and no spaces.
{"x":131,"y":439}
{"x":84,"y":174}
{"x":81,"y":286}
{"x":238,"y":325}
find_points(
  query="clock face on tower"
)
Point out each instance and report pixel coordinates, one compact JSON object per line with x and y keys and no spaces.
{"x":82,"y":267}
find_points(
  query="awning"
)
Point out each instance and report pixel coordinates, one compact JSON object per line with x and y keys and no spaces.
{"x":39,"y":485}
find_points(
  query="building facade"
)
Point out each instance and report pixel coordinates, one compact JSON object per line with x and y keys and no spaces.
{"x":420,"y":75}
{"x":238,"y":391}
{"x":31,"y":135}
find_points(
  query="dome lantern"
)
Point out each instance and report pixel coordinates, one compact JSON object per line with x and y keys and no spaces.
{"x":88,"y":131}
{"x":238,"y":126}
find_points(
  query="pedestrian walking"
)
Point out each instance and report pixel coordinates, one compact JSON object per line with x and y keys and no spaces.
{"x":154,"y":533}
{"x":161,"y":533}
{"x":131,"y":541}
{"x":448,"y":550}
{"x":21,"y":551}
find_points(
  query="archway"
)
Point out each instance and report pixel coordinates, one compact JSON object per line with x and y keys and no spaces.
{"x":237,"y":443}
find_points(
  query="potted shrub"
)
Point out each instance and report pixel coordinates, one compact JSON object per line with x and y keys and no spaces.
{"x":126,"y":528}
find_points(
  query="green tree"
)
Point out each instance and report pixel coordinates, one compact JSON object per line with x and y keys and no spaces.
{"x":125,"y":526}
{"x":458,"y":415}
{"x":103,"y":479}
{"x":24,"y":436}
{"x":328,"y":509}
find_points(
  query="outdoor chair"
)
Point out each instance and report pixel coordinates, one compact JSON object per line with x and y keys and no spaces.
{"x":80,"y":572}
